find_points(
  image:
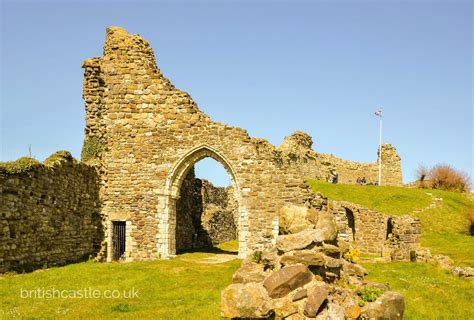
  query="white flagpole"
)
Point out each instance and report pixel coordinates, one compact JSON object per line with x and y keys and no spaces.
{"x":380,"y":152}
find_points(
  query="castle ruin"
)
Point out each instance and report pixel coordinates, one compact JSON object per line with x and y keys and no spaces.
{"x":143,"y":136}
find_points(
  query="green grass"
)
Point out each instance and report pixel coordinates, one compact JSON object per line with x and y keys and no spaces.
{"x":444,"y":229}
{"x":430,"y":292}
{"x":232,"y":245}
{"x":181,"y":288}
{"x":389,"y":200}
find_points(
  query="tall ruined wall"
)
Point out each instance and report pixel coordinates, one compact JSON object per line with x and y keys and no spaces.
{"x":308,"y":163}
{"x":50,"y":214}
{"x":153,"y":134}
{"x":146,"y":135}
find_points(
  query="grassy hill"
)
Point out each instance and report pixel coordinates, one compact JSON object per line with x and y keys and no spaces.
{"x":444,"y":228}
{"x":430,"y":292}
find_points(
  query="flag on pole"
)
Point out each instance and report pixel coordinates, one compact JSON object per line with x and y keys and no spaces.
{"x":379,"y":113}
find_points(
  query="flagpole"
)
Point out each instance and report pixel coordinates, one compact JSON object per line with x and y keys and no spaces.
{"x":380,"y":152}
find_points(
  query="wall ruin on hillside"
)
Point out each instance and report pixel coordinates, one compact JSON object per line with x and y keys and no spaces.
{"x":392,"y":237}
{"x":50,"y":215}
{"x":145,"y":136}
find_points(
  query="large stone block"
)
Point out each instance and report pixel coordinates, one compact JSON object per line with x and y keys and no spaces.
{"x":287,"y":279}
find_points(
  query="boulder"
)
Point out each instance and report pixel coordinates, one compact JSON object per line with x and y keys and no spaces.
{"x":335,"y":312}
{"x":249,"y":272}
{"x":306,"y":257}
{"x":294,"y":219}
{"x":353,"y":269}
{"x":248,"y":300}
{"x":351,"y":309}
{"x":390,"y":305}
{"x":287,"y":279}
{"x":295,"y":241}
{"x":284,"y":308}
{"x":315,"y":300}
{"x":330,"y":250}
{"x":327,"y":225}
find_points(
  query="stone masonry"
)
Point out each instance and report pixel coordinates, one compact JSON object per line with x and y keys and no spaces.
{"x":145,"y":136}
{"x":50,"y":215}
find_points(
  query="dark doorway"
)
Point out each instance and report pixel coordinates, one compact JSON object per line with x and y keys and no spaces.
{"x":389,"y":227}
{"x":118,"y":239}
{"x":351,"y":222}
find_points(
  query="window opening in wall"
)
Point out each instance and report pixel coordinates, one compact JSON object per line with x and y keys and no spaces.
{"x":118,"y":239}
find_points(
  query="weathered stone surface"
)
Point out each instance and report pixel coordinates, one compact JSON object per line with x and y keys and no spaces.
{"x":315,"y":299}
{"x":245,"y":301}
{"x":295,"y":241}
{"x":391,"y":305}
{"x":335,"y":312}
{"x":294,"y":219}
{"x":306,"y":257}
{"x":300,"y":294}
{"x":330,"y":250}
{"x":287,"y":279}
{"x":352,"y":269}
{"x":249,"y":272}
{"x":49,"y":214}
{"x":327,"y":226}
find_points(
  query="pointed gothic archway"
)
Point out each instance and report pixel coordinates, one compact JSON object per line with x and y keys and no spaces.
{"x":167,"y":221}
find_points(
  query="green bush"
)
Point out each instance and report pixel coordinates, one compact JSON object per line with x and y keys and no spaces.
{"x":369,"y":294}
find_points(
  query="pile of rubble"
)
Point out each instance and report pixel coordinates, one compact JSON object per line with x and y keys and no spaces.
{"x":307,"y":274}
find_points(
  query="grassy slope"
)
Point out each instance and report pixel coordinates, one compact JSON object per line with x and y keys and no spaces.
{"x":181,"y":288}
{"x":430,"y":293}
{"x":444,"y":229}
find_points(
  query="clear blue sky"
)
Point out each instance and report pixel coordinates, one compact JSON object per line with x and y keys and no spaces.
{"x":269,"y":67}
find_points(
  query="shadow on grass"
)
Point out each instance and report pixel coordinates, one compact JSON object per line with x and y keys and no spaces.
{"x":215,"y":250}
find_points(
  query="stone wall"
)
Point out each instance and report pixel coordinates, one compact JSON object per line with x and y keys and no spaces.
{"x":374,"y":233}
{"x":50,"y":214}
{"x":327,"y":167}
{"x":145,"y":135}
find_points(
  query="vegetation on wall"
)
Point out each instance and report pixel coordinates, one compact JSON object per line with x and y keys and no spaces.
{"x":21,"y":165}
{"x":26,"y":164}
{"x":91,"y":149}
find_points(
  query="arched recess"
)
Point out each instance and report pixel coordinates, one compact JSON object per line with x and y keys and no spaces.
{"x":166,"y":237}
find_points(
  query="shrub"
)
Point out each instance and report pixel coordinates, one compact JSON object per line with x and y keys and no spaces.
{"x":369,"y":294}
{"x":443,"y":176}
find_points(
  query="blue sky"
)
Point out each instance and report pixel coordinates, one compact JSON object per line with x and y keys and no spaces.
{"x":269,"y":67}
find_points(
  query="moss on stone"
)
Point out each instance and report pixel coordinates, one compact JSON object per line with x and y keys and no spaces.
{"x":21,"y":165}
{"x":91,"y":149}
{"x":58,"y":157}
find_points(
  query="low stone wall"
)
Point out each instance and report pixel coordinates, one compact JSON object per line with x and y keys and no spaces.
{"x":50,"y":214}
{"x":393,"y":237}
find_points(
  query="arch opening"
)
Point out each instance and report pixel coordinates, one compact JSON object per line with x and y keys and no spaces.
{"x":199,"y":215}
